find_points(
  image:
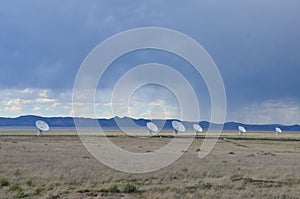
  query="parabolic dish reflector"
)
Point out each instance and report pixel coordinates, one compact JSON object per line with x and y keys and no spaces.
{"x":152,"y":127}
{"x":41,"y":125}
{"x":178,"y":126}
{"x":242,"y":129}
{"x":197,"y":127}
{"x":278,"y":130}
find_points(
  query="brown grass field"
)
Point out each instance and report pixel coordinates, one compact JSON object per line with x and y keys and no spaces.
{"x":255,"y":165}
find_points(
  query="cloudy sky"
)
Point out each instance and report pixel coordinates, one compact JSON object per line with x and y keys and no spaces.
{"x":254,"y":43}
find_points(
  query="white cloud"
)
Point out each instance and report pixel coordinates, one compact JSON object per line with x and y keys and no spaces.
{"x":45,"y":100}
{"x":43,"y":93}
{"x":282,"y":112}
{"x":55,"y":104}
{"x":107,"y":104}
{"x":13,"y":108}
{"x":13,"y":102}
{"x":26,"y":101}
{"x":142,"y":104}
{"x":17,"y":102}
{"x":157,"y":103}
{"x":27,"y":90}
{"x":36,"y":108}
{"x":157,"y":109}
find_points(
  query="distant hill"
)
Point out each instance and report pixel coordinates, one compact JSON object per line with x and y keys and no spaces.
{"x":68,"y":122}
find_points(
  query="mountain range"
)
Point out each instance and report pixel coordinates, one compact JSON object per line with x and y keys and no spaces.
{"x":28,"y":121}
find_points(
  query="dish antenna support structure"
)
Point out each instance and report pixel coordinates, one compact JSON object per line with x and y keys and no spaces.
{"x":242,"y":130}
{"x":152,"y":128}
{"x":42,"y":127}
{"x":197,"y":128}
{"x":278,"y":130}
{"x":177,"y":127}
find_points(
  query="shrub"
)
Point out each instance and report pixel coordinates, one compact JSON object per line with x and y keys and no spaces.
{"x":184,"y":170}
{"x":22,"y":195}
{"x":38,"y":191}
{"x":15,"y":187}
{"x":29,"y":183}
{"x":113,"y":189}
{"x":206,"y":186}
{"x":4,"y":182}
{"x":130,"y":188}
{"x":84,"y":191}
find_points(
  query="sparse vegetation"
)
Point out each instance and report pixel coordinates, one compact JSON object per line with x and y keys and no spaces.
{"x":111,"y":189}
{"x":84,"y":191}
{"x":69,"y":173}
{"x":238,"y":144}
{"x":29,"y":183}
{"x":15,"y":187}
{"x":38,"y":191}
{"x":185,"y":170}
{"x":236,"y":178}
{"x":17,"y":172}
{"x":206,"y":186}
{"x":22,"y":195}
{"x":130,"y":188}
{"x":4,"y":182}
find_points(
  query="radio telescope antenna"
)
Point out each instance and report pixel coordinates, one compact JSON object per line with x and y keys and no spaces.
{"x":242,"y":130}
{"x":152,"y":128}
{"x":278,"y":130}
{"x":42,"y":127}
{"x":197,"y":128}
{"x":177,"y":127}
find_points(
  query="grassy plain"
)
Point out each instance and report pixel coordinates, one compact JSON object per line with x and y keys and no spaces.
{"x":57,"y":165}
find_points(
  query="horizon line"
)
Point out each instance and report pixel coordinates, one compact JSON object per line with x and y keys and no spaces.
{"x":121,"y":117}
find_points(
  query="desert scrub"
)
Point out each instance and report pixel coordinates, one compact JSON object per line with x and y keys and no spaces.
{"x":29,"y":183}
{"x":84,"y":191}
{"x":38,"y":191}
{"x":206,"y":186}
{"x":22,"y":195}
{"x":130,"y":188}
{"x":112,"y":189}
{"x":185,"y":170}
{"x":4,"y":182}
{"x":15,"y":187}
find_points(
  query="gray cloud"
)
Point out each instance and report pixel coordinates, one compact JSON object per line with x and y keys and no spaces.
{"x":256,"y":44}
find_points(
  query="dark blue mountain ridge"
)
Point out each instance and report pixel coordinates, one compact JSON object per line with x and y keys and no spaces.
{"x":112,"y":123}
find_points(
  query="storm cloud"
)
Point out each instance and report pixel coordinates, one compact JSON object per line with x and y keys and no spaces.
{"x":255,"y":44}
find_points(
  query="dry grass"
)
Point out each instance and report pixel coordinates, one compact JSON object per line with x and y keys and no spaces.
{"x":232,"y":135}
{"x":60,"y":167}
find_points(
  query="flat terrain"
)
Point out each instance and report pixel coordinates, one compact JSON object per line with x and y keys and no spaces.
{"x":58,"y":166}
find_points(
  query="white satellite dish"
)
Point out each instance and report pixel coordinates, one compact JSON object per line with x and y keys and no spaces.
{"x":151,"y":127}
{"x":177,"y":127}
{"x":42,"y":127}
{"x":241,"y":130}
{"x":197,"y":128}
{"x":278,"y":130}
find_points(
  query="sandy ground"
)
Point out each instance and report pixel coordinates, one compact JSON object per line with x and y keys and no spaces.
{"x":60,"y":167}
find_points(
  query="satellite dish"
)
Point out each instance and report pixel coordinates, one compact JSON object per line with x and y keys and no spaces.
{"x":197,"y":128}
{"x":151,"y":127}
{"x":278,"y":130}
{"x":42,"y":127}
{"x":241,"y":130}
{"x":177,"y":127}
